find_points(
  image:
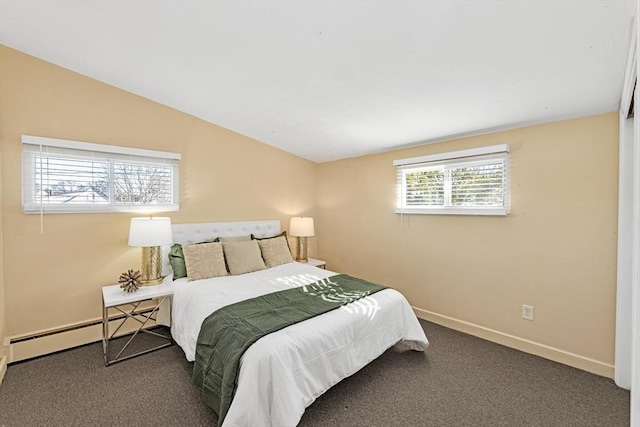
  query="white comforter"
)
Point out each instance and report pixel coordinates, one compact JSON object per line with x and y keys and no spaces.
{"x":284,"y":372}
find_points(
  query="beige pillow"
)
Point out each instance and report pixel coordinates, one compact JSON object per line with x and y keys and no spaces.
{"x":275,"y":251}
{"x":235,"y":239}
{"x":243,"y":257}
{"x":204,"y":260}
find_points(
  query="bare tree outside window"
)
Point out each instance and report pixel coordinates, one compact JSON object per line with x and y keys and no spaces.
{"x":142,"y":184}
{"x":70,"y":181}
{"x":65,"y":176}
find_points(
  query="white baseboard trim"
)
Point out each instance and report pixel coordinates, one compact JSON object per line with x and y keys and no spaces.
{"x":557,"y":355}
{"x":3,"y":367}
{"x":63,"y":337}
{"x":62,"y":340}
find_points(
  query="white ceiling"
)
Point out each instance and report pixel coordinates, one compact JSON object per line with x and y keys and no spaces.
{"x":327,"y":80}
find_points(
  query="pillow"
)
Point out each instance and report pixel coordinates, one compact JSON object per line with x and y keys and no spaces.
{"x":204,"y":260}
{"x":284,"y":233}
{"x":176,"y":259}
{"x":275,"y":251}
{"x":243,"y":257}
{"x":234,"y":239}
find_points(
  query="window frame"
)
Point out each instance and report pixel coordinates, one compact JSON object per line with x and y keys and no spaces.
{"x":34,"y":146}
{"x":463,"y":158}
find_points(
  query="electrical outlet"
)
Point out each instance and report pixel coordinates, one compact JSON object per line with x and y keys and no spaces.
{"x":527,"y":312}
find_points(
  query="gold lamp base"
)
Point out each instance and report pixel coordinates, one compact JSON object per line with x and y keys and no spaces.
{"x":302,"y":250}
{"x":151,"y":266}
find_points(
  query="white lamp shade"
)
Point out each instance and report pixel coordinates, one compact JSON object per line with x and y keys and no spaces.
{"x":146,"y":232}
{"x":301,"y":227}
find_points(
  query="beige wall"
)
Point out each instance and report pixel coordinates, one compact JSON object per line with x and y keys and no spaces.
{"x":54,"y":279}
{"x":556,"y":250}
{"x":3,"y":356}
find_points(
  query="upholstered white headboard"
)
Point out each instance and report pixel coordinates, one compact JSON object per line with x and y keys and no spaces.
{"x":207,"y":231}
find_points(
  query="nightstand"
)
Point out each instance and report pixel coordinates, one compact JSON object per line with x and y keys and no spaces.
{"x":128,"y":303}
{"x":317,"y":263}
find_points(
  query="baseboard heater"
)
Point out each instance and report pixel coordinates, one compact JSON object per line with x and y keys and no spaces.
{"x":70,"y":328}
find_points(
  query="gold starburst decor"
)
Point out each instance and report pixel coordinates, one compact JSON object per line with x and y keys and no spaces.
{"x":130,"y":280}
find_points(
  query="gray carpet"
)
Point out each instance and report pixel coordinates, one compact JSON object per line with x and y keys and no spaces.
{"x":459,"y":381}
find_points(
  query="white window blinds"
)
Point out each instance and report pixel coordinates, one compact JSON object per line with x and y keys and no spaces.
{"x":467,"y":182}
{"x":69,"y":176}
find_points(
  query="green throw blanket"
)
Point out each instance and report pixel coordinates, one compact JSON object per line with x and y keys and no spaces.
{"x":227,"y":333}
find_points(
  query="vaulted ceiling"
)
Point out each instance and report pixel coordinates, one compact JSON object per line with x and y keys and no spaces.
{"x":327,"y":80}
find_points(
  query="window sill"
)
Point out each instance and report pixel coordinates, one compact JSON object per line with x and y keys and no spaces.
{"x":455,"y":211}
{"x":150,"y":209}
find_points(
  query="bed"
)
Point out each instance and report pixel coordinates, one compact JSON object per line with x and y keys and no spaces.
{"x":284,"y":372}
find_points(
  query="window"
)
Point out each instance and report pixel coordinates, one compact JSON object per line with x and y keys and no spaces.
{"x":69,"y":176}
{"x":467,"y":182}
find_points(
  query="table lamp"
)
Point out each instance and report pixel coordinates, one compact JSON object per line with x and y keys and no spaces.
{"x":301,"y":227}
{"x":150,"y":233}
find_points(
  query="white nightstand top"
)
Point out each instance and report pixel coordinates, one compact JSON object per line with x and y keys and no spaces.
{"x":316,"y":262}
{"x":115,"y":295}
